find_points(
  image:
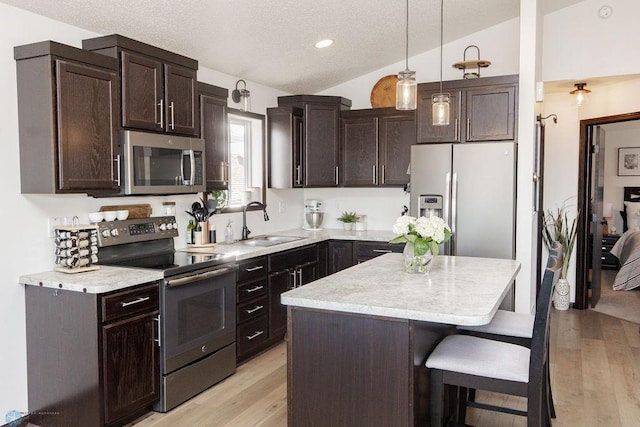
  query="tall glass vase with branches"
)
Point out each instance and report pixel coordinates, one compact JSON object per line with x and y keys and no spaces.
{"x":557,"y":227}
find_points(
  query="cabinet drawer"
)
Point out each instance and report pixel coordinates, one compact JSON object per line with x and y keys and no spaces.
{"x":130,"y":301}
{"x":374,"y":249}
{"x":252,"y":269}
{"x":252,"y":334}
{"x":608,"y":259}
{"x":247,"y":291}
{"x":292,"y":258}
{"x":252,"y":309}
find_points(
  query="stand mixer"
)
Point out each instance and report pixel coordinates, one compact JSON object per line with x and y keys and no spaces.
{"x":313,"y":216}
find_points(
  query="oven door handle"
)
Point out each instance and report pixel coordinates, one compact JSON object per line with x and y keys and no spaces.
{"x":172,"y":283}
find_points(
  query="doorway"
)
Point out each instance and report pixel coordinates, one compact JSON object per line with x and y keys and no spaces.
{"x":590,"y":206}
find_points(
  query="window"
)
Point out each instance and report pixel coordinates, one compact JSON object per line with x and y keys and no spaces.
{"x":246,"y":158}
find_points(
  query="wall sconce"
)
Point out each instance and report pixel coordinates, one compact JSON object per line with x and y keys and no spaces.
{"x":581,"y":94}
{"x":406,"y":87}
{"x":477,"y":64}
{"x":242,"y":95}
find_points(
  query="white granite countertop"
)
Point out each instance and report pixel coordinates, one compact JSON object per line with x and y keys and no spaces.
{"x":457,"y":290}
{"x":108,"y":278}
{"x":242,"y":251}
{"x":105,"y":279}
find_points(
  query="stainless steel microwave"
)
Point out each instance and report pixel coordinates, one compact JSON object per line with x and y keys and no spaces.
{"x":161,"y":164}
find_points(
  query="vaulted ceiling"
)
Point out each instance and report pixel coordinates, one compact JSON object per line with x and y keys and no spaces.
{"x":272,"y":41}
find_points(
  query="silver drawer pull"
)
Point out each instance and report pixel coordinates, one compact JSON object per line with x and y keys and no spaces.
{"x":256,"y":335}
{"x":254,"y":309}
{"x":603,"y":258}
{"x":382,"y":251}
{"x":255,"y":288}
{"x":137,"y":301}
{"x":257,"y":267}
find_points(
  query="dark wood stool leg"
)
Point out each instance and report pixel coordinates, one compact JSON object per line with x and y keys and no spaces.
{"x":436,"y":398}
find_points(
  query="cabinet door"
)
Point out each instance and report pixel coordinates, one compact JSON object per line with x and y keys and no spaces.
{"x":396,"y":133}
{"x":340,"y":255}
{"x":279,"y":282}
{"x":322,"y":145}
{"x":180,"y":100}
{"x":142,"y":92}
{"x":87,"y":127}
{"x":359,"y":151}
{"x":130,"y":365}
{"x":491,"y":113}
{"x":213,"y":129}
{"x":426,"y":131}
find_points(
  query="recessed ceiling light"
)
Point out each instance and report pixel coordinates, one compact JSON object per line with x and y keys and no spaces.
{"x":324,"y":43}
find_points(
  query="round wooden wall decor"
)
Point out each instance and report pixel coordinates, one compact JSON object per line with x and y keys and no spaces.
{"x":383,"y":93}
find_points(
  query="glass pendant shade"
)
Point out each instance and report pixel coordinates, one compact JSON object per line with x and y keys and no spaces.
{"x":406,"y":91}
{"x":245,"y":98}
{"x":440,"y":109}
{"x":580,"y":93}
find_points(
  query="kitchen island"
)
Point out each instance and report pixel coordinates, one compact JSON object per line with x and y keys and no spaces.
{"x":357,"y":339}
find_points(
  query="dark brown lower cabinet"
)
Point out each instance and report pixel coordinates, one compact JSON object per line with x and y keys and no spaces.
{"x":357,"y":370}
{"x":92,"y":359}
{"x":340,"y":255}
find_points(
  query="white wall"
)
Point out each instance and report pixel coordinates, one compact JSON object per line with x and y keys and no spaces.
{"x":27,"y":249}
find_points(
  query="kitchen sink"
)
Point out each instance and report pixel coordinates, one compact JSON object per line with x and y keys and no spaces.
{"x":269,"y":240}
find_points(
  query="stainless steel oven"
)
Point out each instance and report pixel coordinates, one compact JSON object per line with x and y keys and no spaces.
{"x":197,"y":304}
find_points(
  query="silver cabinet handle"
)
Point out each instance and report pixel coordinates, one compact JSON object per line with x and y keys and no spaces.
{"x":254,"y":289}
{"x":257,"y":267}
{"x":117,"y":160}
{"x":298,"y":175}
{"x":456,"y":130}
{"x":454,"y":212}
{"x":173,"y":116}
{"x":136,"y":301}
{"x":299,"y":283}
{"x":256,"y":335}
{"x":468,"y":129}
{"x":374,"y":174}
{"x":161,"y":106}
{"x":384,"y":172}
{"x":158,"y":340}
{"x":382,"y":251}
{"x":337,"y":176}
{"x":295,"y":279}
{"x":254,"y":309}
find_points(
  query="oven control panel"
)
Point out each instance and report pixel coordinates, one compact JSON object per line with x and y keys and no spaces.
{"x":136,"y":230}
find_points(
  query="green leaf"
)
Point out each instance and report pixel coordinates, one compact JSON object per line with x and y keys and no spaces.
{"x":421,"y":246}
{"x":398,"y":239}
{"x":434,"y":248}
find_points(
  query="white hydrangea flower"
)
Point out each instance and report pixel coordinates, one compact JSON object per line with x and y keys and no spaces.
{"x":401,"y":225}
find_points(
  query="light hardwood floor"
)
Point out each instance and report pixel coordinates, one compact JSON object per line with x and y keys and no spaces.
{"x":595,"y":374}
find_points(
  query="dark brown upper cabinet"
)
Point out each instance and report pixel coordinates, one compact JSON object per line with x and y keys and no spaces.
{"x":317,"y":159}
{"x":285,"y":135}
{"x":158,"y":87}
{"x":67,"y":112}
{"x":213,"y":129}
{"x":376,"y":147}
{"x":482,"y":109}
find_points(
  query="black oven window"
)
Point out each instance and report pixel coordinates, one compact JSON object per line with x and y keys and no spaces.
{"x":200,"y":315}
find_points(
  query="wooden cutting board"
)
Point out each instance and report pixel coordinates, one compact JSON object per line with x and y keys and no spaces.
{"x":135,"y":211}
{"x":383,"y":93}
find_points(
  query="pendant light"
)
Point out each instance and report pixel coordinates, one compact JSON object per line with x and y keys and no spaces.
{"x":440,"y":101}
{"x":407,"y":88}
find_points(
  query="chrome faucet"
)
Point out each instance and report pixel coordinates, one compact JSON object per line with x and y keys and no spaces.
{"x":245,"y":230}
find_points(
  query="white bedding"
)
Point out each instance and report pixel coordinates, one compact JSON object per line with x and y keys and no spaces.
{"x":627,"y":250}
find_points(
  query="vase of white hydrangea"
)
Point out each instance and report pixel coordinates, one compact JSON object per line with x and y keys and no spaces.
{"x":422,"y":236}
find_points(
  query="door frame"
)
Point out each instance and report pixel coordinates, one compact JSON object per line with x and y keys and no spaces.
{"x":584,"y":189}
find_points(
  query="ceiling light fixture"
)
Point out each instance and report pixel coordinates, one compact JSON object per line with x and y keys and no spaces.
{"x":440,"y":101}
{"x":580,"y":93}
{"x":406,"y":87}
{"x":477,"y":63}
{"x":242,"y":95}
{"x":324,"y":43}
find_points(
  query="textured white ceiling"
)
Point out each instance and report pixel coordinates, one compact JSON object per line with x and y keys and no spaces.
{"x":272,"y":41}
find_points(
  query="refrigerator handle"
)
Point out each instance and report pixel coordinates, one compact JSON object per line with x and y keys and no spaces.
{"x":454,"y":212}
{"x":446,"y":208}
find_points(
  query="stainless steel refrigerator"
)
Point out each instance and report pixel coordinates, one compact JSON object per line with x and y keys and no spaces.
{"x":473,"y":187}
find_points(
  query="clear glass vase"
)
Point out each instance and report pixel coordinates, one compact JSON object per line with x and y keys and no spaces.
{"x":415,"y":263}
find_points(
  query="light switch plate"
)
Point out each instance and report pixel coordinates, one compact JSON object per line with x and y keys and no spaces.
{"x":52,"y":223}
